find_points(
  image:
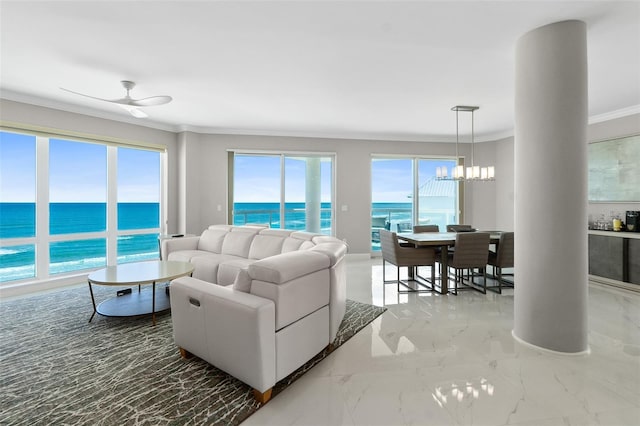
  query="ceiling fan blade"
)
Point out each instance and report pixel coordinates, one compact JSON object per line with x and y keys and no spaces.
{"x":152,"y":101}
{"x":134,"y":111}
{"x":117,"y":101}
{"x":128,"y":102}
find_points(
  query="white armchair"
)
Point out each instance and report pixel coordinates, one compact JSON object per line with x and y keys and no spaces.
{"x":280,"y":312}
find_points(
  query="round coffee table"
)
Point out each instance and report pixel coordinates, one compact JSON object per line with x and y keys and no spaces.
{"x":141,"y":302}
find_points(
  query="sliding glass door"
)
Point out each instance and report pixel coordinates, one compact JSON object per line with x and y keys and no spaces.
{"x":405,"y":192}
{"x":437,"y":200}
{"x":287,"y":191}
{"x":391,"y":196}
{"x":257,"y":190}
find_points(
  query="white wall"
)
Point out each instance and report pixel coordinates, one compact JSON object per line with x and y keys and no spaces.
{"x":480,"y":197}
{"x":505,"y":188}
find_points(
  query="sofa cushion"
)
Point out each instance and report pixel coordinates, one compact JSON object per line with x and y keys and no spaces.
{"x":265,"y":245}
{"x":282,"y":233}
{"x":253,"y":229}
{"x":243,"y":281}
{"x":301,"y":235}
{"x":319,"y":239}
{"x":221,"y":227}
{"x":206,"y":267}
{"x":237,"y":243}
{"x":291,"y":244}
{"x":186,"y":255}
{"x":229,"y":270}
{"x":211,"y":240}
{"x":306,"y":245}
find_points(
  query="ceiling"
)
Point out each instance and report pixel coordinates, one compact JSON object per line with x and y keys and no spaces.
{"x":347,"y":69}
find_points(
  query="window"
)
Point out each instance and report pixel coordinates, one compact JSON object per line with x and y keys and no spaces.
{"x":437,"y":199}
{"x":405,"y":192}
{"x":138,"y":204}
{"x":17,"y":206}
{"x":71,"y":205}
{"x":77,"y":204}
{"x":283,"y":191}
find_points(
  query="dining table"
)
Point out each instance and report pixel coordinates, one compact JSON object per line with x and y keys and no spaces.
{"x":444,"y":240}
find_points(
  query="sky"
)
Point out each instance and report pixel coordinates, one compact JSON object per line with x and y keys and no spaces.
{"x":17,"y":168}
{"x":257,"y":179}
{"x":78,"y":174}
{"x":392,"y":179}
{"x":77,"y":171}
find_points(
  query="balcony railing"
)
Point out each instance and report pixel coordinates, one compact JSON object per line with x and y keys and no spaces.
{"x":294,"y":218}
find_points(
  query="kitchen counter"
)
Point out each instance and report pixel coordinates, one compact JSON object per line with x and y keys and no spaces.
{"x":619,"y":234}
{"x":614,"y":258}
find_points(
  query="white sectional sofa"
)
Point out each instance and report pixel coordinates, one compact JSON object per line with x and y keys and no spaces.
{"x":261,"y":302}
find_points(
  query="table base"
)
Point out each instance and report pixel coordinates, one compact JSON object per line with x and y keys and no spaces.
{"x":134,"y":304}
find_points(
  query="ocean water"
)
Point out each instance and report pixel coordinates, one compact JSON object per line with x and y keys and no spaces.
{"x":269,"y":213}
{"x":17,"y":220}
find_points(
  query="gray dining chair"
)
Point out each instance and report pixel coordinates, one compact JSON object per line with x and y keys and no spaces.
{"x":502,"y":258}
{"x":471,"y":254}
{"x":403,"y":227}
{"x":425,"y":228}
{"x":459,"y":228}
{"x":410,"y":257}
{"x":428,"y":228}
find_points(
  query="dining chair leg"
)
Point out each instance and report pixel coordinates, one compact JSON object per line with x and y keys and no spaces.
{"x":484,"y":280}
{"x":455,"y":281}
{"x":456,"y":275}
{"x":384,"y":274}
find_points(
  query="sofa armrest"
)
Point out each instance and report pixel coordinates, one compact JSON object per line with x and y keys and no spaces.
{"x":286,"y":267}
{"x":169,"y":245}
{"x":335,"y":250}
{"x":231,"y":330}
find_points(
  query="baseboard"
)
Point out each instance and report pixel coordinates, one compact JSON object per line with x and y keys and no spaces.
{"x":615,"y":283}
{"x":31,"y":287}
{"x":358,"y":256}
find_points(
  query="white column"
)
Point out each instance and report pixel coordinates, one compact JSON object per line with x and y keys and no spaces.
{"x":313,"y":194}
{"x":550,"y":302}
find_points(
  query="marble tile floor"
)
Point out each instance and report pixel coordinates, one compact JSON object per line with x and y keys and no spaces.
{"x":451,"y":360}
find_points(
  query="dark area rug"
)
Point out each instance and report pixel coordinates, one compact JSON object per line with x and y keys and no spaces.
{"x":56,"y":368}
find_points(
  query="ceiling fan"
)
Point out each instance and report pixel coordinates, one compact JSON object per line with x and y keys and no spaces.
{"x":128,"y":103}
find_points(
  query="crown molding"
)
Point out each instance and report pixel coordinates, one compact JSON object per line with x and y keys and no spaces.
{"x":364,"y":136}
{"x":624,"y":112}
{"x":76,"y":109}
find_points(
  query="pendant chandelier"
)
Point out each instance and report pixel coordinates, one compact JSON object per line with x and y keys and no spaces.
{"x":473,"y":173}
